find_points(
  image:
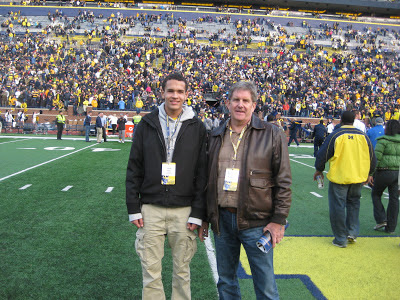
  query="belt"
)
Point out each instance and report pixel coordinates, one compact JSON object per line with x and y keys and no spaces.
{"x":230,"y":209}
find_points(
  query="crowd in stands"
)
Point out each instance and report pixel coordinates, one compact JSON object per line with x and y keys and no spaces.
{"x":301,"y":79}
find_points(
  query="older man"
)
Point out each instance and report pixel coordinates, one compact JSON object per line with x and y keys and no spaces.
{"x":248,"y":192}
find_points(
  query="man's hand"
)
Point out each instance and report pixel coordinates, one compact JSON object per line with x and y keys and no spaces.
{"x":192,"y":227}
{"x":138,"y":223}
{"x":318,"y":173}
{"x":370,"y":181}
{"x":203,"y":231}
{"x":277,"y":232}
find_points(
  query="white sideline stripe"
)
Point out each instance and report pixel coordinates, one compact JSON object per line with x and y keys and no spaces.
{"x":316,"y":194}
{"x":46,"y":162}
{"x":25,"y":187}
{"x":304,"y":164}
{"x":67,"y":188}
{"x":14,"y":141}
{"x":109,"y":189}
{"x":366,"y":186}
{"x":64,"y":137}
{"x":212,"y":260}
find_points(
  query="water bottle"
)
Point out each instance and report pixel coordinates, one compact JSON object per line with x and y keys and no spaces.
{"x":264,"y":243}
{"x":320,"y":181}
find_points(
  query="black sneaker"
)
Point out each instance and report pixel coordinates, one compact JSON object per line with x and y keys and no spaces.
{"x":380,"y":225}
{"x":334,"y":243}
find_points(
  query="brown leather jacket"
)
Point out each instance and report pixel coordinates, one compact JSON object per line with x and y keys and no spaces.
{"x":265,"y":194}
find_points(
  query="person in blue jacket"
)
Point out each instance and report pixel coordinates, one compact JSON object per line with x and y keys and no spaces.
{"x":376,"y":131}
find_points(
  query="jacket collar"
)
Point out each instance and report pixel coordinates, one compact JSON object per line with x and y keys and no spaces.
{"x":153,"y":120}
{"x":255,"y":123}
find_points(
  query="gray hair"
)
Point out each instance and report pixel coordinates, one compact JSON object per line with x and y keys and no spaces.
{"x":244,"y":85}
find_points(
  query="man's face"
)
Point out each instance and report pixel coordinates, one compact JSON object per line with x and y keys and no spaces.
{"x":241,"y":106}
{"x":174,"y":95}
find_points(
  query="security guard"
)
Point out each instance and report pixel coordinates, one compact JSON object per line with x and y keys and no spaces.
{"x":60,"y":124}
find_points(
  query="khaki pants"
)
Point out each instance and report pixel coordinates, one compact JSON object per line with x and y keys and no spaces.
{"x":158,"y":222}
{"x":99,"y":134}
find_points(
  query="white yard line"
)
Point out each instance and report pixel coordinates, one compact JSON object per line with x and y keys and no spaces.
{"x":25,"y":187}
{"x":316,"y":194}
{"x":67,"y":188}
{"x":212,"y":260}
{"x":46,"y":162}
{"x":109,"y":189}
{"x":64,"y":137}
{"x":14,"y":141}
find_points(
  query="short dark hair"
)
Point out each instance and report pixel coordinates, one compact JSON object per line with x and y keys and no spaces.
{"x":270,"y":118}
{"x":321,"y":121}
{"x":392,"y":127}
{"x":174,"y":76}
{"x":347,"y":117}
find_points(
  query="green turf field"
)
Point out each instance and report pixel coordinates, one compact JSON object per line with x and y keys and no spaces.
{"x":64,"y":232}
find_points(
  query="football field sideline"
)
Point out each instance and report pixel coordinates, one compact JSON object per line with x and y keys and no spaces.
{"x":63,"y":223}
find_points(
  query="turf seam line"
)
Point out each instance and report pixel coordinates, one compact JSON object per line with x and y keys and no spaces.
{"x":44,"y":163}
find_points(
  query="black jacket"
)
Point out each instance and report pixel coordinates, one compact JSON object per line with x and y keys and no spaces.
{"x":319,"y":131}
{"x":148,"y":152}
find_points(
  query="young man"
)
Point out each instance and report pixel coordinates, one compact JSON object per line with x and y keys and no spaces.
{"x":248,"y":192}
{"x":165,"y":184}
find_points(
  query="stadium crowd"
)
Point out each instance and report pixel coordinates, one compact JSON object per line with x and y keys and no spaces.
{"x":299,"y":80}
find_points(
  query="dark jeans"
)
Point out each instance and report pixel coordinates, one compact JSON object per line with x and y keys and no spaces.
{"x":105,"y":134}
{"x":87,"y":131}
{"x":382,"y":180}
{"x":293,"y":137}
{"x":227,"y":246}
{"x":344,"y":209}
{"x":60,"y":127}
{"x":317,"y":144}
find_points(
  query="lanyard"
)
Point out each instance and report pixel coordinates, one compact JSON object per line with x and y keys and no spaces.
{"x":236,"y":147}
{"x":169,"y":137}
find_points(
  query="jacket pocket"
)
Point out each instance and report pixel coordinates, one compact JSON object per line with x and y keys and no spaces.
{"x":150,"y":249}
{"x":260,"y":197}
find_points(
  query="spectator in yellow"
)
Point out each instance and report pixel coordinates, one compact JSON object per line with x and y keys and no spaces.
{"x":139,"y":105}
